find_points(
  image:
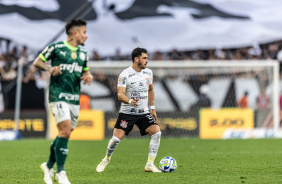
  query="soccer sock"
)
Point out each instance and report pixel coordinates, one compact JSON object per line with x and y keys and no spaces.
{"x":112,"y":146}
{"x":61,"y":152}
{"x":154,"y":146}
{"x":52,"y":159}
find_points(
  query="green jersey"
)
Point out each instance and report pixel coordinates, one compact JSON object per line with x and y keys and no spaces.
{"x":72,"y":62}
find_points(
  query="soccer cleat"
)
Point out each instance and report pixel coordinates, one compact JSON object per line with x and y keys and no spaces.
{"x":150,"y":167}
{"x":48,"y":173}
{"x":62,"y":178}
{"x":102,"y":165}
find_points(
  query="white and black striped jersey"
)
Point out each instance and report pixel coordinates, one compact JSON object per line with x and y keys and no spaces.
{"x":137,"y":86}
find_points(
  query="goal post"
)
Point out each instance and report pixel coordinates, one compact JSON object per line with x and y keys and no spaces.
{"x":181,"y":85}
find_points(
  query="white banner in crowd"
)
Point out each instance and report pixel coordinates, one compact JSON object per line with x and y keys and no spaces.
{"x":156,"y":25}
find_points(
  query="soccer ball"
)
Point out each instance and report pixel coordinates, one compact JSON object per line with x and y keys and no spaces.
{"x":167,"y":164}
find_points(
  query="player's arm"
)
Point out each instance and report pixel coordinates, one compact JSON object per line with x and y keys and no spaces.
{"x":39,"y":63}
{"x":87,"y":77}
{"x":123,"y":98}
{"x":151,"y":98}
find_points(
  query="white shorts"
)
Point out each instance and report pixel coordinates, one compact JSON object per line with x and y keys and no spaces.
{"x":64,"y":111}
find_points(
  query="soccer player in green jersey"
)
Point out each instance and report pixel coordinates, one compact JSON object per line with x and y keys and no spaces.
{"x":68,"y":68}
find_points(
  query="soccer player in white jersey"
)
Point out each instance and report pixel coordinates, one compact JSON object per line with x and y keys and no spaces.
{"x":135,"y":91}
{"x":69,"y":68}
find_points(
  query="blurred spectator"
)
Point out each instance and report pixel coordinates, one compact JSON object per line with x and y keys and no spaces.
{"x":279,"y":58}
{"x":220,"y":54}
{"x":175,"y":55}
{"x":2,"y":60}
{"x":9,"y":75}
{"x":255,"y":51}
{"x":157,"y":56}
{"x":2,"y":104}
{"x":243,"y":101}
{"x":262,"y":108}
{"x":273,"y":49}
{"x":24,"y":53}
{"x":263,"y":102}
{"x":117,"y":56}
{"x":280,"y":103}
{"x":211,"y":54}
{"x":41,"y":80}
{"x":96,"y":56}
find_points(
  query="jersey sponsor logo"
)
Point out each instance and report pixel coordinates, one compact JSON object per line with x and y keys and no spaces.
{"x":137,"y":110}
{"x":60,"y":45}
{"x":141,"y":84}
{"x":123,"y":124}
{"x":71,"y":67}
{"x":69,"y":96}
{"x":135,"y":94}
{"x":133,"y":82}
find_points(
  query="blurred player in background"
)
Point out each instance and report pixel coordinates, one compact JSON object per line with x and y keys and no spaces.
{"x":69,"y":67}
{"x":135,"y":91}
{"x":243,"y":101}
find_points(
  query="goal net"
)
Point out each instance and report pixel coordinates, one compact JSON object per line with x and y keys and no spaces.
{"x":198,"y":98}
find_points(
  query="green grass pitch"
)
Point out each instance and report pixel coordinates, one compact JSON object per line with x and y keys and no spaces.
{"x":199,"y":161}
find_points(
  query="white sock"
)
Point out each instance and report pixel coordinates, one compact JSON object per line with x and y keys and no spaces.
{"x":112,"y":146}
{"x":154,"y":146}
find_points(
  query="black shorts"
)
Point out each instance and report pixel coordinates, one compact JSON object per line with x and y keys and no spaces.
{"x":127,"y":121}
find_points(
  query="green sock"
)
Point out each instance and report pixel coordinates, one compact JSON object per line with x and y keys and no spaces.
{"x":61,"y":152}
{"x":52,"y":159}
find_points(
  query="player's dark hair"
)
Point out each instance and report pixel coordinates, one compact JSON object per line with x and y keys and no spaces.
{"x":74,"y":22}
{"x":137,"y":52}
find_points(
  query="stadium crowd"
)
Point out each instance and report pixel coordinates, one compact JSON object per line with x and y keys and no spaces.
{"x":271,"y":50}
{"x":9,"y":60}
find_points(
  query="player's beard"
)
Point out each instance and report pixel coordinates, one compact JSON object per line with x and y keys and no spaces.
{"x":82,"y":43}
{"x":142,"y":66}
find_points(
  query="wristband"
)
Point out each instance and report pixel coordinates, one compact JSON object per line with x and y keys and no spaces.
{"x":152,"y":107}
{"x":129,"y":102}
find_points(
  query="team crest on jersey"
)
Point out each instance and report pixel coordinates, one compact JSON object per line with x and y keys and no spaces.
{"x":73,"y":54}
{"x":82,"y":56}
{"x":123,"y":124}
{"x":148,"y":80}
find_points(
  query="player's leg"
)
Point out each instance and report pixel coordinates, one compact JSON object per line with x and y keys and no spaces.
{"x":58,"y":149}
{"x":155,"y":133}
{"x":122,"y":128}
{"x":47,"y":167}
{"x":148,"y":125}
{"x":61,"y":149}
{"x":52,"y":159}
{"x":115,"y":140}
